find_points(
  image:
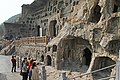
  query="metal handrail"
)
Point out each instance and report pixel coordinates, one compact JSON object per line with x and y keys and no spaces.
{"x":107,"y":78}
{"x":94,"y":71}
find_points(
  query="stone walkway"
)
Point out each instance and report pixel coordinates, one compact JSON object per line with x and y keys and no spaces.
{"x":3,"y":77}
{"x":51,"y":73}
{"x":14,"y":75}
{"x":5,"y":69}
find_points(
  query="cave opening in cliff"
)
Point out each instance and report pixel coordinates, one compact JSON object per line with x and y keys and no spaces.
{"x":95,"y":17}
{"x":54,"y":48}
{"x":113,"y":47}
{"x":39,"y":31}
{"x":52,"y":28}
{"x":115,"y":9}
{"x":76,"y":51}
{"x":87,"y":56}
{"x":42,"y":58}
{"x":49,"y":60}
{"x":60,"y":5}
{"x":102,"y":62}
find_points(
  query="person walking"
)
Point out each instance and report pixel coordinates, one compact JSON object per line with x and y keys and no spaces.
{"x":35,"y":72}
{"x":24,"y":69}
{"x":13,"y":60}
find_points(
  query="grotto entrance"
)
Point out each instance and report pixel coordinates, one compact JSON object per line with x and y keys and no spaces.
{"x":113,"y":47}
{"x":87,"y":56}
{"x":76,"y":54}
{"x":42,"y":58}
{"x":95,"y":16}
{"x":101,"y":62}
{"x":38,"y":30}
{"x":49,"y":60}
{"x":115,"y":8}
{"x":52,"y":28}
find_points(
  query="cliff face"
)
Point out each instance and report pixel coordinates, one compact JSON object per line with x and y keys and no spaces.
{"x":85,"y":33}
{"x":89,"y":36}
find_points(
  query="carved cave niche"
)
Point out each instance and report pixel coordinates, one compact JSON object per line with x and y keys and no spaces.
{"x":113,"y":47}
{"x":77,"y":51}
{"x":49,"y":48}
{"x":60,"y":5}
{"x":49,"y":60}
{"x":85,"y":50}
{"x":42,"y":58}
{"x":54,"y":9}
{"x":38,"y":30}
{"x":54,"y":48}
{"x":54,"y":2}
{"x":102,"y":62}
{"x":52,"y":28}
{"x":116,"y":7}
{"x":74,"y":3}
{"x":97,"y":34}
{"x":95,"y":15}
{"x":113,"y":25}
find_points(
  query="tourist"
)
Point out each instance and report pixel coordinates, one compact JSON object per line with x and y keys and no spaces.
{"x":29,"y":59}
{"x":30,"y":69}
{"x":24,"y":69}
{"x":13,"y":60}
{"x":35,"y":72}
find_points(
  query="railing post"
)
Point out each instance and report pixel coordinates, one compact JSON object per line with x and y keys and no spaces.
{"x":63,"y":76}
{"x":18,"y":61}
{"x":43,"y":73}
{"x":118,"y":68}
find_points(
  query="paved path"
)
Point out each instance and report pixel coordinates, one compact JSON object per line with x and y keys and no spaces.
{"x":5,"y":69}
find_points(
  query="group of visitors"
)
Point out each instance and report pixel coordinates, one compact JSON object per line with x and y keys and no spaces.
{"x":29,"y":68}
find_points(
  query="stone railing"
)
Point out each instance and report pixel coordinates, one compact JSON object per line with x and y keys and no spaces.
{"x":9,"y":48}
{"x":6,"y":42}
{"x":32,"y":40}
{"x":84,"y":74}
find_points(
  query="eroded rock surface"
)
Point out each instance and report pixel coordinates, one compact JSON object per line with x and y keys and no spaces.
{"x":84,"y":35}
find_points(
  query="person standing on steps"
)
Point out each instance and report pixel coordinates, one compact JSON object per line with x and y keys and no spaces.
{"x":13,"y":60}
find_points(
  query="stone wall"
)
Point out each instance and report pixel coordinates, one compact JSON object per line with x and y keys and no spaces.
{"x":15,"y":30}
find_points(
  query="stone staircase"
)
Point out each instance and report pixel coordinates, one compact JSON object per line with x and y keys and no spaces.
{"x":9,"y":49}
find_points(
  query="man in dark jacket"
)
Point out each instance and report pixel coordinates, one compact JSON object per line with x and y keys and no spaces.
{"x":13,"y":60}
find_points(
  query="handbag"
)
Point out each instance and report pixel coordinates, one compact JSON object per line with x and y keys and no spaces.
{"x":21,"y":72}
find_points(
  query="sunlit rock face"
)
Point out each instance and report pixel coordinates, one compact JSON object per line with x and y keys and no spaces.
{"x":81,"y":32}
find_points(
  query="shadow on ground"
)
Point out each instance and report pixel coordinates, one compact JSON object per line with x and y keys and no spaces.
{"x":3,"y":77}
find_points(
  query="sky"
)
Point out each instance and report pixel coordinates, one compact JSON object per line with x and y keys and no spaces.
{"x":9,"y":8}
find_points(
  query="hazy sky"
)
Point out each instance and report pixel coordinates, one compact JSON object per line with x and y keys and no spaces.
{"x":9,"y":8}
